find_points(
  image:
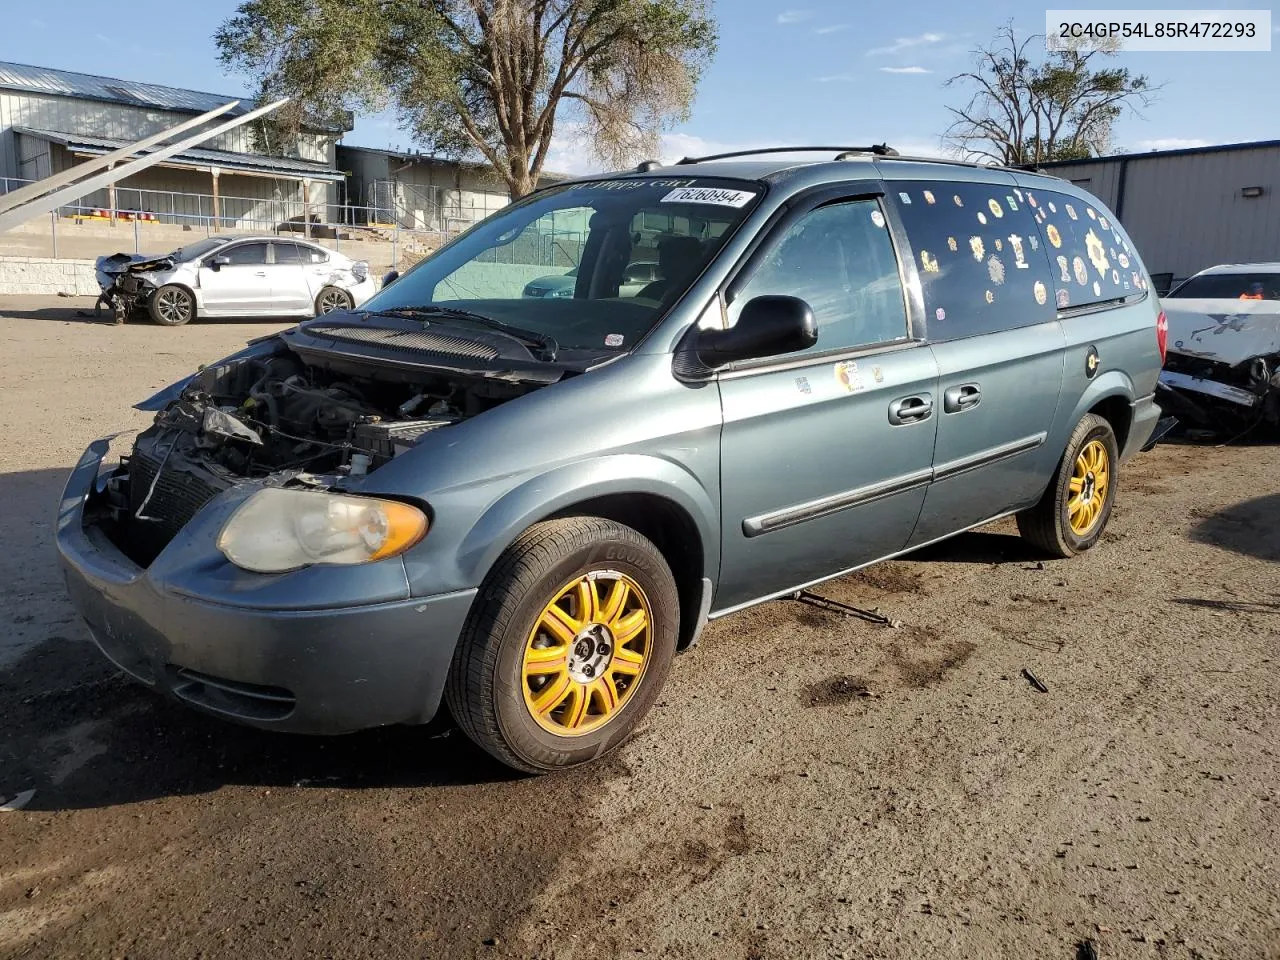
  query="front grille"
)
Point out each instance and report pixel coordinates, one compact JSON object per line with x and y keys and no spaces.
{"x":409,"y":340}
{"x":176,"y":499}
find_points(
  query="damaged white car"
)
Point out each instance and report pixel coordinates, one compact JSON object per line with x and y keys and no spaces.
{"x":233,"y":277}
{"x":1223,"y":368}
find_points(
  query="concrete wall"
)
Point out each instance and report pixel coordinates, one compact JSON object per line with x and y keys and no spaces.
{"x":40,"y":275}
{"x":1184,"y":210}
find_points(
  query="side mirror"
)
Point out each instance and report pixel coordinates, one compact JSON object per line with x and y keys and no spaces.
{"x":390,"y":277}
{"x":218,"y":262}
{"x":766,"y":327}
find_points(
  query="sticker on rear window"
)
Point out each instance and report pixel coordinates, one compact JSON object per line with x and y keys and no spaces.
{"x":613,"y":340}
{"x":721,"y":198}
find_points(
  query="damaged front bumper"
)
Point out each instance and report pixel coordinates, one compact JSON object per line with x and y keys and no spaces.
{"x":324,"y":649}
{"x":1218,"y":397}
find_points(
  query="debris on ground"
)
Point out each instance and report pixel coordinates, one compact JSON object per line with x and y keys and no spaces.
{"x":849,"y":610}
{"x":1034,"y":680}
{"x":17,"y":803}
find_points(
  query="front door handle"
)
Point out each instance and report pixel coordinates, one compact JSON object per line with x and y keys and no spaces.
{"x":962,"y":397}
{"x":910,"y":410}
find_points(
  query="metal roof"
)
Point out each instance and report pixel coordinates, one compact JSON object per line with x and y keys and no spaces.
{"x":1156,"y":154}
{"x":87,"y":86}
{"x":226,"y":160}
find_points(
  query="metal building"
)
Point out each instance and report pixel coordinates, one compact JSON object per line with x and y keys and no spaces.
{"x":52,"y":119}
{"x":1193,"y":208}
{"x":422,"y":192}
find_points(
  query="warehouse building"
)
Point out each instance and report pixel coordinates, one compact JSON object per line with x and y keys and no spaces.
{"x":52,"y":119}
{"x":422,"y":192}
{"x":1193,"y":208}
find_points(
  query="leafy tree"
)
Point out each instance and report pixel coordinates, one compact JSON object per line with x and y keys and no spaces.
{"x":487,"y":77}
{"x":1023,"y":111}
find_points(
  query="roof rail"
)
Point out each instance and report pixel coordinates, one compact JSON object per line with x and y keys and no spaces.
{"x":646,"y":165}
{"x":879,"y":150}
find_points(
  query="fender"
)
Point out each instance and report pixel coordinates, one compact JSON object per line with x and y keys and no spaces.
{"x":1111,"y":383}
{"x":559,"y":489}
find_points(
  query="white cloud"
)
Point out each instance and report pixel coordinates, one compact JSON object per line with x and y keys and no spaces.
{"x":830,"y":28}
{"x":794,"y":16}
{"x":905,"y":70}
{"x":1169,"y":143}
{"x":906,"y":43}
{"x":835,"y":78}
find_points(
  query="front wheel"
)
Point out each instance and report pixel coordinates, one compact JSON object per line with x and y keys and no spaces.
{"x":172,"y":305}
{"x":568,"y":643}
{"x":1074,"y":511}
{"x":332,"y":298}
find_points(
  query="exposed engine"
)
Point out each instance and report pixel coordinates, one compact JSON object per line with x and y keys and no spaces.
{"x":273,"y":415}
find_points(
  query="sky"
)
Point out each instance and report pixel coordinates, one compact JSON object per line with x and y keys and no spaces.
{"x":787,"y":72}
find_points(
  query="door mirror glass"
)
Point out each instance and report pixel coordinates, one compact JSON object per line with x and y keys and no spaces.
{"x":768,"y":325}
{"x":218,"y":262}
{"x":390,"y":277}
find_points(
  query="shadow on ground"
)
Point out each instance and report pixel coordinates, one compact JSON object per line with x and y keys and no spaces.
{"x":80,"y":310}
{"x":1250,"y":527}
{"x":980,"y":547}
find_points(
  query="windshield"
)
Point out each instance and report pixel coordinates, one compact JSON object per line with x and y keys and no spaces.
{"x":1231,"y":286}
{"x":193,"y":251}
{"x":562,"y":263}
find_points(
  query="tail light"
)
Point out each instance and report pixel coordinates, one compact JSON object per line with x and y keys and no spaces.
{"x":1162,"y":336}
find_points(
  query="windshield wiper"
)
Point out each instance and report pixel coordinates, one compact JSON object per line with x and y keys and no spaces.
{"x":546,"y":343}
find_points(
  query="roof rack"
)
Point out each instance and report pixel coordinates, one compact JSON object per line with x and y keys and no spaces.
{"x":879,"y":150}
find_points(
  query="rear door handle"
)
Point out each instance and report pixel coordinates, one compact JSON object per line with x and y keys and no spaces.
{"x":910,"y":410}
{"x":962,"y":397}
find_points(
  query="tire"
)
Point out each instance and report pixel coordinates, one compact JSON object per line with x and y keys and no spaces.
{"x":556,"y":711}
{"x":1064,"y":523}
{"x":330,"y":299}
{"x":172,"y":305}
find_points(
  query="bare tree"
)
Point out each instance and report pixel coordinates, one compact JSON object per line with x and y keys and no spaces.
{"x":1026,"y":111}
{"x":486,"y":78}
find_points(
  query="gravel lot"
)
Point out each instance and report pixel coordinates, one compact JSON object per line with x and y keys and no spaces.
{"x":809,"y":785}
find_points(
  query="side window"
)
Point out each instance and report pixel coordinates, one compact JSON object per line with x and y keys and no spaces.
{"x":247,"y":254}
{"x":287,"y":252}
{"x":980,"y":257}
{"x":839,"y":259}
{"x":1092,"y":258}
{"x":311,"y":254}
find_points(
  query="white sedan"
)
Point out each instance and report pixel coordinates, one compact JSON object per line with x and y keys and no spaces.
{"x":234,"y":277}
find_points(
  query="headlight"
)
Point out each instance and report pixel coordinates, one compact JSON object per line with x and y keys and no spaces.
{"x":360,"y":269}
{"x":277,"y":530}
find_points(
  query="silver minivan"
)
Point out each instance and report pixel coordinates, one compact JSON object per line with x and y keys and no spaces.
{"x":525,"y":506}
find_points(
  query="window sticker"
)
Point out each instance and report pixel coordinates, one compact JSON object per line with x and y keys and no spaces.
{"x":1017,"y":193}
{"x":712,"y":195}
{"x":991,"y":297}
{"x":1042,"y":295}
{"x":1123,"y":261}
{"x":1071,"y":211}
{"x":1115,"y":276}
{"x":905,"y":198}
{"x":1065,"y":268}
{"x":994,"y":206}
{"x":877,"y":375}
{"x":1097,"y":289}
{"x":1019,"y":258}
{"x":877,"y":218}
{"x":959,"y":202}
{"x":952,"y":245}
{"x":1064,"y":298}
{"x":1102,"y":222}
{"x":803,"y":385}
{"x":1082,"y":272}
{"x":1089,"y":211}
{"x":928,"y":261}
{"x":940,"y":314}
{"x":995,"y":270}
{"x":1035,"y":242}
{"x":1054,"y":236}
{"x":613,"y":340}
{"x":1052,"y":207}
{"x":1097,"y":254}
{"x":929,"y":198}
{"x":982,"y":218}
{"x":999,"y":244}
{"x":1031,"y":198}
{"x":975,"y":245}
{"x":1011,"y":203}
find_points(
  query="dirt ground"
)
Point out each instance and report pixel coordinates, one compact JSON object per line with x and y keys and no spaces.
{"x":808,"y":786}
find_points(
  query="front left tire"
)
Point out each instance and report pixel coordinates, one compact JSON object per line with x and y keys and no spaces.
{"x":333,"y":298}
{"x":569,"y":641}
{"x":172,"y":305}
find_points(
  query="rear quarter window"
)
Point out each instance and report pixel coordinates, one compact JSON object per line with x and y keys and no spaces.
{"x":1092,"y":258}
{"x":979,"y":255}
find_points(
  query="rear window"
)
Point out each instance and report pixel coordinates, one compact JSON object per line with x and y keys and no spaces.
{"x":1092,"y":258}
{"x":1231,"y":286}
{"x":979,"y":255}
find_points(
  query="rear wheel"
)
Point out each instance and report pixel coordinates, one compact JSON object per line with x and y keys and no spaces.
{"x":333,"y":298}
{"x":172,"y":306}
{"x":568,"y":643}
{"x":1074,"y":511}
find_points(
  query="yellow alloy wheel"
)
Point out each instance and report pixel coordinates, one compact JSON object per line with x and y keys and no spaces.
{"x":587,"y":653}
{"x":1089,"y":483}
